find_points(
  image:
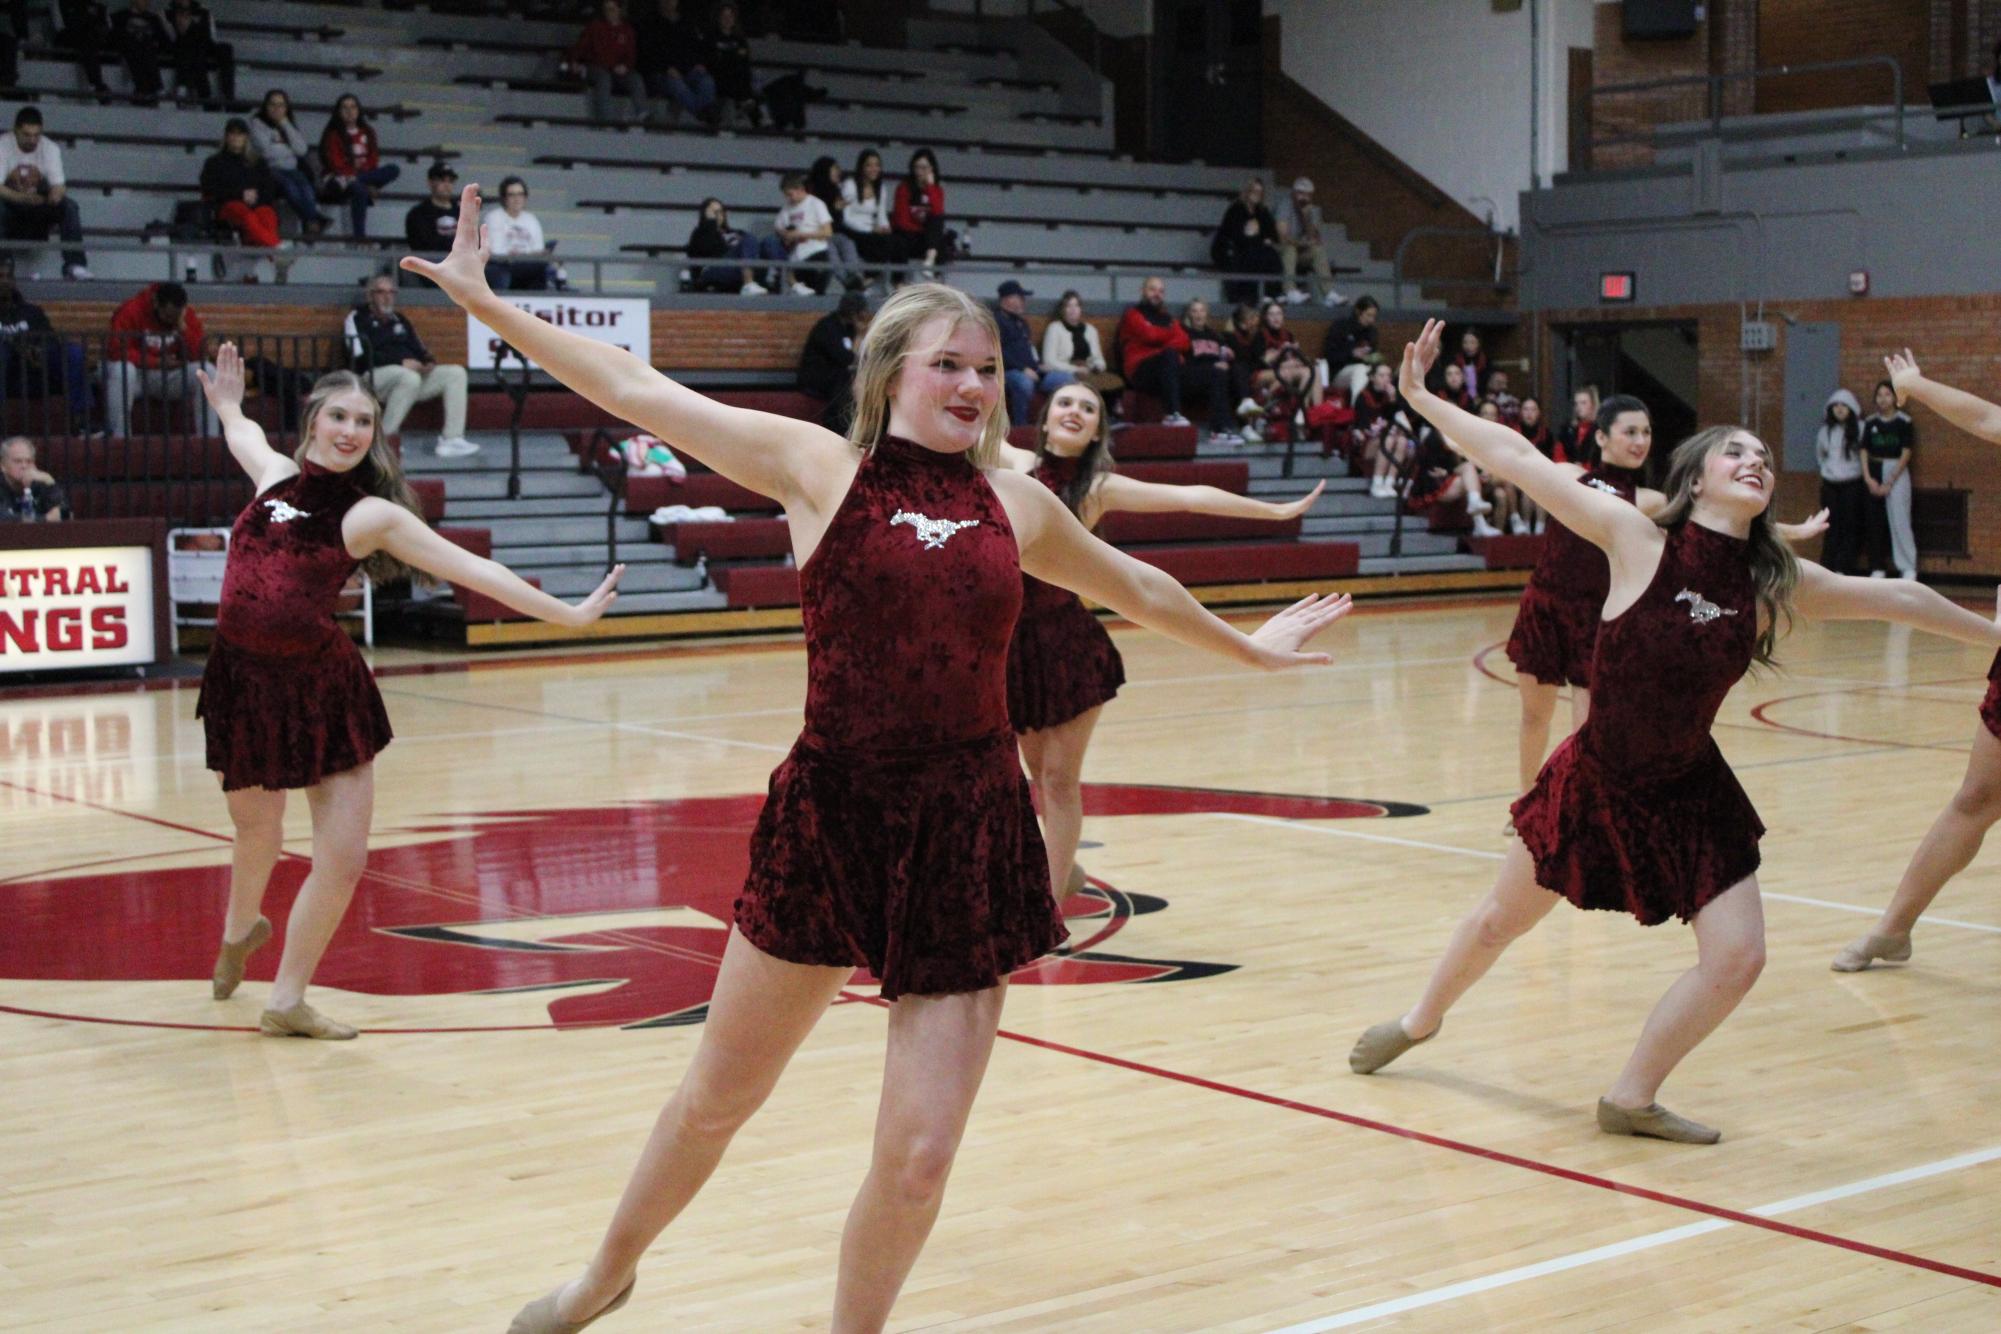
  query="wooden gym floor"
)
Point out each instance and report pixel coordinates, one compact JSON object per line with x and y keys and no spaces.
{"x":1169,"y":1138}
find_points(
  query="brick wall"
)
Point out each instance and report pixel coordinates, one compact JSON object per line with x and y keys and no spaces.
{"x":1796,"y":32}
{"x":1615,"y":60}
{"x":1955,"y":343}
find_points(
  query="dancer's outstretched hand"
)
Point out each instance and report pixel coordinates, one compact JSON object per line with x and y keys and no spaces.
{"x":1280,"y":639}
{"x":600,"y":600}
{"x":462,"y":273}
{"x":1298,"y":507}
{"x":1810,"y":527}
{"x":226,"y":389}
{"x":1903,"y":371}
{"x":1420,"y":357}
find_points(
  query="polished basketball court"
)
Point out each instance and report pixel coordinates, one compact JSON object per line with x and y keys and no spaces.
{"x":1169,"y":1138}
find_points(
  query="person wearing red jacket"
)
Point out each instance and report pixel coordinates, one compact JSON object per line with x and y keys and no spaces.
{"x":154,"y":350}
{"x":607,"y":53}
{"x":353,"y":161}
{"x":1151,"y":346}
{"x":917,"y":216}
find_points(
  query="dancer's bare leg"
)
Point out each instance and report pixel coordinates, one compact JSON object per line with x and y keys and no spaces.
{"x":258,"y":816}
{"x":1511,"y":908}
{"x":343,"y":806}
{"x":1056,"y":764}
{"x":1532,"y":742}
{"x":1953,"y":840}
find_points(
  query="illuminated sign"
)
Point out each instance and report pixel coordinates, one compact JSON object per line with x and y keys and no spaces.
{"x":65,"y":607}
{"x":1615,"y":287}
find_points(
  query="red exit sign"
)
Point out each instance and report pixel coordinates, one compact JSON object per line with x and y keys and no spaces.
{"x":1615,"y":287}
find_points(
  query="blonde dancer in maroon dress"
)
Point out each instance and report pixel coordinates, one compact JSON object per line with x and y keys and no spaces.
{"x":898,"y":834}
{"x":286,"y":700}
{"x":1062,"y":666}
{"x":1954,"y":839}
{"x":1638,"y":812}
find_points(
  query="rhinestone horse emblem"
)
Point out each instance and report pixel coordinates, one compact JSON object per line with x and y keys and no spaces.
{"x":1602,"y":485}
{"x":933,"y":533}
{"x":1700,"y":609}
{"x":281,"y":512}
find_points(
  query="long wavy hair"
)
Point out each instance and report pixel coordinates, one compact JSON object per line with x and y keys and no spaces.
{"x":1775,"y":571}
{"x":1096,"y":460}
{"x":380,"y":474}
{"x":892,"y":338}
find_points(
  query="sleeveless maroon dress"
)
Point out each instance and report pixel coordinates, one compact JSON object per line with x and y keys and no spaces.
{"x":1638,"y":812}
{"x":899,"y":834}
{"x":286,"y":699}
{"x":1062,"y":662}
{"x":1557,"y":624}
{"x":1990,"y":708}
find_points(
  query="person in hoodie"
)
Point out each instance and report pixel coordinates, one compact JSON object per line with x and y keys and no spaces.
{"x":1843,"y":494}
{"x":1151,"y":345}
{"x":1888,"y":440}
{"x":606,"y":53}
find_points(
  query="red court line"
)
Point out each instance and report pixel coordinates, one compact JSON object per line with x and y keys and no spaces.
{"x":1480,"y":666}
{"x":248,"y":1028}
{"x":1759,"y":712}
{"x":1515,"y":1160}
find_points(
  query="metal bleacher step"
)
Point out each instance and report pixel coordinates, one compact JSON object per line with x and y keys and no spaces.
{"x":570,"y":581}
{"x":1409,"y":564}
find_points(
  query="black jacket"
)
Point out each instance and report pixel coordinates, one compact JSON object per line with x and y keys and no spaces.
{"x":1230,"y":241}
{"x":663,"y":46}
{"x":226,"y":175}
{"x":375,"y":342}
{"x":429,"y":228}
{"x":829,"y":359}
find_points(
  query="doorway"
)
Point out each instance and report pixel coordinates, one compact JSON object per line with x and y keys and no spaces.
{"x":1208,"y":93}
{"x":1654,"y":362}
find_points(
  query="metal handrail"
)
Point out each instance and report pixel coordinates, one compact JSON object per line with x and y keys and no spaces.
{"x":1715,"y":82}
{"x":602,"y":457}
{"x":517,"y":392}
{"x":1397,"y":277}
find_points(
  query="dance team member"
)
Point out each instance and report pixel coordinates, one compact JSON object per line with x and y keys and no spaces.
{"x":1638,"y":812}
{"x":286,"y":700}
{"x":1062,"y":667}
{"x":899,"y":833}
{"x":1955,"y":837}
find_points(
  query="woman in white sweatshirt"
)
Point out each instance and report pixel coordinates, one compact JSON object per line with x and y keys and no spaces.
{"x":514,"y":238}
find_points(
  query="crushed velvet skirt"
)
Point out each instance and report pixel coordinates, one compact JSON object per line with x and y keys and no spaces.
{"x":924,"y":866}
{"x":1990,"y":708}
{"x":288,"y":722}
{"x":1656,"y":848}
{"x":1554,"y":637}
{"x":1061,"y":664}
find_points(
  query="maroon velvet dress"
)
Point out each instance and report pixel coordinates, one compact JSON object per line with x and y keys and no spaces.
{"x":1557,"y":624}
{"x":1062,"y":662}
{"x":1990,"y":708}
{"x":1638,"y":812}
{"x":899,"y":833}
{"x":286,"y":699}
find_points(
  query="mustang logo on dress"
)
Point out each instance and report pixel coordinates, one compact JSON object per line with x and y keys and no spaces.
{"x":1700,"y":609}
{"x":933,"y":533}
{"x":284,"y":513}
{"x":1602,"y":485}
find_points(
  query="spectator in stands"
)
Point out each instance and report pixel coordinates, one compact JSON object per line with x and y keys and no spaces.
{"x":1471,"y":359}
{"x":1452,"y":387}
{"x":1151,"y":344}
{"x":1439,"y":476}
{"x":1497,"y":387}
{"x":196,"y":51}
{"x":238,"y":186}
{"x":1211,"y":360}
{"x":1070,"y":342}
{"x":1248,"y":372}
{"x":804,"y":226}
{"x":714,"y":239}
{"x":1377,"y":401}
{"x":1843,"y":494}
{"x":430,"y":225}
{"x":31,"y":495}
{"x":918,"y":214}
{"x":388,"y":353}
{"x":1350,"y":348}
{"x":34,"y":193}
{"x":729,"y":64}
{"x":35,"y":362}
{"x":674,"y":62}
{"x":155,"y":347}
{"x":827,"y":365}
{"x":1293,"y":399}
{"x":83,"y":28}
{"x":144,"y":40}
{"x":1273,"y":337}
{"x":1888,"y":440}
{"x":1301,"y":236}
{"x":824,"y":181}
{"x":352,"y":157}
{"x":865,"y":213}
{"x":1247,"y":242}
{"x":606,"y":54}
{"x":1533,"y":425}
{"x":1022,"y":370}
{"x":514,"y":238}
{"x":277,"y":138}
{"x":1579,"y":442}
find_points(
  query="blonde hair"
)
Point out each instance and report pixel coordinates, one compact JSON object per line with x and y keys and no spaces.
{"x":1775,"y":571}
{"x":892,"y":338}
{"x":380,"y":474}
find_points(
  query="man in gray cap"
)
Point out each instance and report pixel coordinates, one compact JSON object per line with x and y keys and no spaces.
{"x":1020,"y":360}
{"x":1299,"y":237}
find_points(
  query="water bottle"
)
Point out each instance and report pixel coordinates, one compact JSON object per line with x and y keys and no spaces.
{"x":702,"y":570}
{"x":24,"y":505}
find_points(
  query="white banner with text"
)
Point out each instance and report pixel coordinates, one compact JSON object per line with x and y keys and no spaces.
{"x":618,"y":321}
{"x":66,"y":607}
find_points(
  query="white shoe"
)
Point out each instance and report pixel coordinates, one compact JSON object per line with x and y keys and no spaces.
{"x":1296,"y":297}
{"x":1540,"y":524}
{"x":1333,"y":298}
{"x":455,"y":447}
{"x":752,"y":289}
{"x":1477,"y":505}
{"x":1518,"y":525}
{"x":1225,"y":438}
{"x":1481,"y":528}
{"x":76,"y":272}
{"x":1174,"y":419}
{"x":803,"y":289}
{"x":1252,"y":435}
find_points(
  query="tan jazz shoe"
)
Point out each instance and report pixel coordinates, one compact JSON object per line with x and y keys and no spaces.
{"x":1382,"y":1044}
{"x":539,"y":1316}
{"x":303,"y":1021}
{"x":1858,"y":956}
{"x":1077,"y":883}
{"x":1653,"y":1122}
{"x":234,"y":956}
